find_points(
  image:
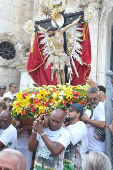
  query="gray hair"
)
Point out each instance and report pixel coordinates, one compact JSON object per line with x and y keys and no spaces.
{"x":14,"y":155}
{"x":92,"y":90}
{"x":96,"y":161}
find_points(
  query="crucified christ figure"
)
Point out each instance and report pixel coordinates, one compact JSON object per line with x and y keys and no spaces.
{"x":59,"y":57}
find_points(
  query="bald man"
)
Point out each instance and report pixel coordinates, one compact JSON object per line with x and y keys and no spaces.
{"x":8,"y":133}
{"x":12,"y":160}
{"x":50,"y":142}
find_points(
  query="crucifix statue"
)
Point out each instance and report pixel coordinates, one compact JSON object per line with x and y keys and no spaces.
{"x":59,"y":39}
{"x":59,"y":58}
{"x":58,"y":25}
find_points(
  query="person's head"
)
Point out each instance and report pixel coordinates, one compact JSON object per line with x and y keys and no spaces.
{"x":2,"y":106}
{"x":12,"y":87}
{"x":12,"y":159}
{"x":7,"y":101}
{"x":74,"y":112}
{"x":56,"y":119}
{"x":2,"y":90}
{"x":102,"y":88}
{"x":96,"y":161}
{"x":5,"y":119}
{"x":93,"y":96}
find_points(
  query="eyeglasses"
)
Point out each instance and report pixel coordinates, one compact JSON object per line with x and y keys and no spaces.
{"x":14,"y":87}
{"x":71,"y":110}
{"x":90,"y":99}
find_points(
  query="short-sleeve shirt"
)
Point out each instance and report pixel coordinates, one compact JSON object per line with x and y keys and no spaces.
{"x":93,"y":143}
{"x":76,"y":151}
{"x":9,"y":137}
{"x":9,"y":94}
{"x":44,"y":158}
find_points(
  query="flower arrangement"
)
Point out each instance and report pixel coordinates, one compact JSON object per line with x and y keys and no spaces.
{"x":35,"y":101}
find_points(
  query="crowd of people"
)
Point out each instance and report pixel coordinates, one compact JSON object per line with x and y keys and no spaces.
{"x":73,"y":141}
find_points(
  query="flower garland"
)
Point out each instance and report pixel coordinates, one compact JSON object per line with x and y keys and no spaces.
{"x":35,"y":101}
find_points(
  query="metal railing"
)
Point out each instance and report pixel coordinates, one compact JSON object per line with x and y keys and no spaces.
{"x":109,"y":115}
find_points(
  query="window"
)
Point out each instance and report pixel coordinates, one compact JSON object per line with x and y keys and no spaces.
{"x":7,"y":50}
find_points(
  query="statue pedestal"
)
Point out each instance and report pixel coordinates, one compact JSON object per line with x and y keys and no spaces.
{"x":25,"y":79}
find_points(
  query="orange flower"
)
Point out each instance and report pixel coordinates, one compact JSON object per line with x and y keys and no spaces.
{"x":75,"y":97}
{"x":24,"y":95}
{"x":32,"y":109}
{"x":73,"y":92}
{"x":38,"y":101}
{"x":64,"y":103}
{"x":46,"y":104}
{"x":54,"y":90}
{"x":71,"y":102}
{"x":24,"y":112}
{"x":84,"y":101}
{"x":78,"y":94}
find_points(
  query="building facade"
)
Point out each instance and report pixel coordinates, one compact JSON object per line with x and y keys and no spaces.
{"x":15,"y":43}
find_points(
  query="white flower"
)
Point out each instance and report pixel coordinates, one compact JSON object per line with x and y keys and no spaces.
{"x":33,"y":96}
{"x":61,"y":93}
{"x":35,"y":116}
{"x":51,"y":104}
{"x":47,"y":108}
{"x":61,"y":97}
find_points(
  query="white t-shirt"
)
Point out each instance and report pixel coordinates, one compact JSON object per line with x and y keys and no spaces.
{"x":44,"y":157}
{"x":9,"y":137}
{"x":93,"y":143}
{"x":75,"y":153}
{"x":9,"y":94}
{"x":78,"y":133}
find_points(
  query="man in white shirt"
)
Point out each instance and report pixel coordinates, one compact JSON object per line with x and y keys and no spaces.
{"x":12,"y":91}
{"x":78,"y":147}
{"x":50,"y":142}
{"x":8,"y":133}
{"x":94,"y":143}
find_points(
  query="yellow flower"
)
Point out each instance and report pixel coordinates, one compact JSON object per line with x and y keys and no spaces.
{"x":77,"y":87}
{"x":54,"y":96}
{"x":42,"y":109}
{"x":19,"y":96}
{"x":42,"y":94}
{"x":26,"y":102}
{"x":46,"y":98}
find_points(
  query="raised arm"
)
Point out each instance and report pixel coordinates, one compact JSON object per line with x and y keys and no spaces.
{"x":71,"y":25}
{"x":55,"y":147}
{"x":95,"y":123}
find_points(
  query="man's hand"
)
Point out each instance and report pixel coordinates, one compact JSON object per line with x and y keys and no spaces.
{"x":84,"y":118}
{"x":17,"y":124}
{"x":91,"y":82}
{"x":110,"y":127}
{"x":38,"y":126}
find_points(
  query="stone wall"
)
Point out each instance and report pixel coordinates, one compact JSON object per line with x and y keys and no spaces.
{"x":9,"y":75}
{"x":13,"y":15}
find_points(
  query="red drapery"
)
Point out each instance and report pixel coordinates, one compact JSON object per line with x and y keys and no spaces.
{"x":36,"y":62}
{"x":83,"y":70}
